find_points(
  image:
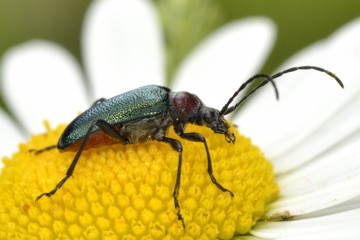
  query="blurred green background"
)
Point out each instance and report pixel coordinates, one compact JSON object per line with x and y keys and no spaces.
{"x":299,"y":23}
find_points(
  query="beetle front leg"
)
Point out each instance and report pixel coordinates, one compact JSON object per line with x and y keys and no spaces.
{"x":197,"y":137}
{"x":176,"y":145}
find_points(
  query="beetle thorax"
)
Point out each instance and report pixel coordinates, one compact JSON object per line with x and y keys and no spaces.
{"x":184,"y":106}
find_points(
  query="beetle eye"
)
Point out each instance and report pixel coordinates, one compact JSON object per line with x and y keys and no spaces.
{"x":209,"y":116}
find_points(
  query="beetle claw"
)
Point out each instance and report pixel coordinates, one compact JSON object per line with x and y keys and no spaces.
{"x":180,"y":218}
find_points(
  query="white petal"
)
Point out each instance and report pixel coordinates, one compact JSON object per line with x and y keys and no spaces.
{"x":10,"y":136}
{"x":311,"y":104}
{"x":326,"y":197}
{"x":122,"y":46}
{"x":42,"y":81}
{"x":337,"y":226}
{"x":349,"y":205}
{"x":247,"y":238}
{"x":326,"y":183}
{"x":334,"y":130}
{"x":227,"y":58}
{"x":338,"y":165}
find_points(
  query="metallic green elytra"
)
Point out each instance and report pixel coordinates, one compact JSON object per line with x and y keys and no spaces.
{"x":143,"y":102}
{"x":146,"y":113}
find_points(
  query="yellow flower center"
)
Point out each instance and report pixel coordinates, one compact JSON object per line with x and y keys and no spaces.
{"x":127,"y":190}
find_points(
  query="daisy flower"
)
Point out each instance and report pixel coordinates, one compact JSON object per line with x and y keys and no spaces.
{"x":310,"y":136}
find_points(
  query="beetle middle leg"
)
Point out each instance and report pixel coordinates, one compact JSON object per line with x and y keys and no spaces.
{"x":197,"y":137}
{"x":107,"y":129}
{"x":176,"y":145}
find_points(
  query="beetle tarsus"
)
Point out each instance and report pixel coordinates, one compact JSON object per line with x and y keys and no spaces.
{"x":48,"y":194}
{"x":52,"y":192}
{"x":38,"y":151}
{"x":177,"y":207}
{"x":218,"y":185}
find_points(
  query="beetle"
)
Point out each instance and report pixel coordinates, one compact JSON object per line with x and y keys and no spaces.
{"x":146,"y":113}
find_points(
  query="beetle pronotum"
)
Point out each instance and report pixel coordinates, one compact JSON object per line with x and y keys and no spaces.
{"x":145,"y":114}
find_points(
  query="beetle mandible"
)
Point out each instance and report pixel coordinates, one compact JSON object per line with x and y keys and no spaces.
{"x":145,"y":114}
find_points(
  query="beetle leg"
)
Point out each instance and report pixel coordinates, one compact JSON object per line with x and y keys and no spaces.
{"x":176,"y":145}
{"x":72,"y":165}
{"x":100,"y":100}
{"x":197,"y":137}
{"x":111,"y":131}
{"x":104,"y":126}
{"x":38,"y":151}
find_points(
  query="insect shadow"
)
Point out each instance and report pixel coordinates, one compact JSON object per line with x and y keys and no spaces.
{"x":146,"y":113}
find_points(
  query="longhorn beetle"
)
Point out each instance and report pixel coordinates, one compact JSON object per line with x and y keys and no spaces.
{"x":145,"y":114}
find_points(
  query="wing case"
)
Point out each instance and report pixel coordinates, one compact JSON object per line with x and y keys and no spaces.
{"x":136,"y":104}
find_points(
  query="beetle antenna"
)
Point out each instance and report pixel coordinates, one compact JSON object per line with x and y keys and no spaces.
{"x":225,"y":110}
{"x":319,"y":69}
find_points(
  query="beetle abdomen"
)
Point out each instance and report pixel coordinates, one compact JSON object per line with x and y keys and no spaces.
{"x":96,"y":139}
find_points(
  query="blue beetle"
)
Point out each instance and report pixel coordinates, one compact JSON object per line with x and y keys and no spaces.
{"x":145,"y":114}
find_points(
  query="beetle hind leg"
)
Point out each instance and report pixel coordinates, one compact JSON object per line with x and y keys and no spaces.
{"x":107,"y":129}
{"x":38,"y":151}
{"x":72,"y":165}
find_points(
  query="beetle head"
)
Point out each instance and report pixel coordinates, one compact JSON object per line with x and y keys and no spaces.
{"x":211,"y":118}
